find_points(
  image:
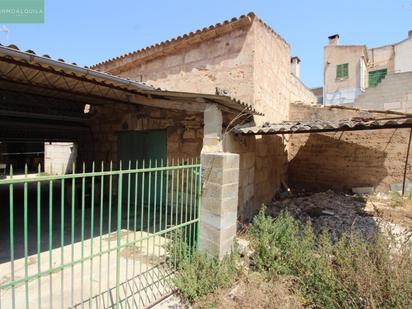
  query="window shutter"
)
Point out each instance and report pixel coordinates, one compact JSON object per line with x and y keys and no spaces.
{"x":342,"y":70}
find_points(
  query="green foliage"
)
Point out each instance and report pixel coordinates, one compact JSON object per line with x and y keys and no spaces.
{"x":201,"y":274}
{"x":348,"y":274}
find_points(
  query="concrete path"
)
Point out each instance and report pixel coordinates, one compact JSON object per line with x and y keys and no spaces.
{"x":92,"y":284}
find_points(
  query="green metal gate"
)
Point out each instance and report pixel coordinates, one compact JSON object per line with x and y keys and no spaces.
{"x":75,"y":241}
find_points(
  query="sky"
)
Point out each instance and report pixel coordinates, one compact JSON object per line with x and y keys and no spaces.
{"x":90,"y":31}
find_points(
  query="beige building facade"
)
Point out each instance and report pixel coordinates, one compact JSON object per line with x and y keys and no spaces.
{"x":351,"y":70}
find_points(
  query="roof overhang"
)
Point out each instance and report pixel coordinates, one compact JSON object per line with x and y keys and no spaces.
{"x":322,"y":126}
{"x":32,"y":74}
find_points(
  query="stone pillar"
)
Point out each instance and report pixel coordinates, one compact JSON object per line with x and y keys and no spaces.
{"x":218,"y":214}
{"x":212,"y":131}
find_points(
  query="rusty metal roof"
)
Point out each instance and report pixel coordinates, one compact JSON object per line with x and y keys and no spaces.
{"x":30,"y":73}
{"x":319,"y":126}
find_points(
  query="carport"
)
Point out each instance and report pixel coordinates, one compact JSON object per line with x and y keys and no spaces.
{"x":46,"y":100}
{"x":51,"y":101}
{"x":368,"y":123}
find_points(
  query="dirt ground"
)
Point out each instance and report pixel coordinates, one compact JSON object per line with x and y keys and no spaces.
{"x":252,"y":292}
{"x":343,"y":213}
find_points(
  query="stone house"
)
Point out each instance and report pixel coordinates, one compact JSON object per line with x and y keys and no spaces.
{"x":243,"y":58}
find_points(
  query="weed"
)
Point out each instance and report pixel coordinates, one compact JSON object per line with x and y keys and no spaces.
{"x":348,"y":274}
{"x":201,"y":274}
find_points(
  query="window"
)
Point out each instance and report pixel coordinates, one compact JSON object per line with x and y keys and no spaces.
{"x":375,"y":77}
{"x":342,"y":70}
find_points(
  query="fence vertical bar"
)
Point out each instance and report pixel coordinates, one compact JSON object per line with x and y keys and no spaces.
{"x":91,"y":234}
{"x":149,"y":193}
{"x":154,"y":215}
{"x":119,"y":227}
{"x":51,"y":240}
{"x":161,"y":211}
{"x":191,"y":207}
{"x":101,"y":231}
{"x":82,"y":237}
{"x":62,"y":240}
{"x":141,"y":228}
{"x":135,"y":226}
{"x":166,"y":208}
{"x":39,"y":239}
{"x":11,"y":227}
{"x":186,"y":200}
{"x":172,"y":233}
{"x":127,"y":248}
{"x":25,"y":237}
{"x":199,"y":198}
{"x":73,"y":184}
{"x":11,"y":219}
{"x":109,"y":231}
{"x":177,"y":236}
{"x":182,"y":229}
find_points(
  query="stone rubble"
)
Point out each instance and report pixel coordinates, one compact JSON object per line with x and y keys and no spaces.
{"x":340,"y":213}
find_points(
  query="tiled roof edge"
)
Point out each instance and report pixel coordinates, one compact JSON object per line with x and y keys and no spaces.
{"x":250,"y":17}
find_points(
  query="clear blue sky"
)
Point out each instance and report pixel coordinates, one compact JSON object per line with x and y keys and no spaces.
{"x":89,"y":31}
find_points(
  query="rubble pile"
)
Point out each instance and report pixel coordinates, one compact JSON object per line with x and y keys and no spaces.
{"x":338,"y":213}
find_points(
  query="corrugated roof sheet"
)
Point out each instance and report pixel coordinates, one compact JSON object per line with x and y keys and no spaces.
{"x":315,"y":126}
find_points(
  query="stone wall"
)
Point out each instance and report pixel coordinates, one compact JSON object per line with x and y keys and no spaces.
{"x":343,"y":160}
{"x":225,"y":62}
{"x":275,"y":86}
{"x":184,"y":130}
{"x":263,"y":165}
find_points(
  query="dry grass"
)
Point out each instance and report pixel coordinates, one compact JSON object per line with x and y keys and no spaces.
{"x":254,"y":291}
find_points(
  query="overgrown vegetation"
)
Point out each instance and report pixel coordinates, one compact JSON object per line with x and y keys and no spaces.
{"x":319,"y":273}
{"x":201,"y":274}
{"x":347,"y":274}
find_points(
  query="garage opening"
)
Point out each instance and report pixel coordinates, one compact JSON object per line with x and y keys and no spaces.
{"x":19,"y":154}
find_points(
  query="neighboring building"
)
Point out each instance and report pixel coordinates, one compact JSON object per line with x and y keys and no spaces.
{"x":345,"y":70}
{"x":349,"y":70}
{"x":318,"y":92}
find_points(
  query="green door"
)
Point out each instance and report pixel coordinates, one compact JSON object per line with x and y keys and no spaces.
{"x":375,"y":77}
{"x":142,"y":145}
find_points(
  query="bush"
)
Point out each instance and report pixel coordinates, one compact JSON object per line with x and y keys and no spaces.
{"x":348,"y":274}
{"x":201,"y":274}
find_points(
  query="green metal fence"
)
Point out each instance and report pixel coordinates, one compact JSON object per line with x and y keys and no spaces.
{"x":104,"y":237}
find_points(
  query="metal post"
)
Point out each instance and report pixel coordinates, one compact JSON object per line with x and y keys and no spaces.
{"x":406,"y":163}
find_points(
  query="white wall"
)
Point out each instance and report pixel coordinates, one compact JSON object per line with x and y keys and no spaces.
{"x":403,"y":56}
{"x":342,"y":96}
{"x":59,"y":157}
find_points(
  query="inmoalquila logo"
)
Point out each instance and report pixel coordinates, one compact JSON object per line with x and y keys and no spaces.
{"x":21,"y":11}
